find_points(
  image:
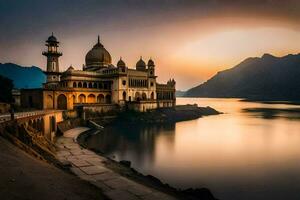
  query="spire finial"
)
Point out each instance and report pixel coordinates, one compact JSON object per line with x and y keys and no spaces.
{"x":98,"y":39}
{"x":52,"y":33}
{"x":141,"y":57}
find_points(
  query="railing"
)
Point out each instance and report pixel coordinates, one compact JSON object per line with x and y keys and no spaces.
{"x":19,"y":115}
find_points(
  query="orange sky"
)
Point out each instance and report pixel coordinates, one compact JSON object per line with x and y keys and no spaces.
{"x":188,"y":41}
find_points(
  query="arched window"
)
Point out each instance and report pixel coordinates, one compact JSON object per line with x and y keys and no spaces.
{"x":91,"y":98}
{"x":80,"y":85}
{"x":85,"y":85}
{"x":81,"y":98}
{"x":62,"y":102}
{"x":53,"y":66}
{"x":152,"y":95}
{"x":144,"y":96}
{"x":100,"y":98}
{"x":90,"y":85}
{"x":137,"y":96}
{"x":74,"y":85}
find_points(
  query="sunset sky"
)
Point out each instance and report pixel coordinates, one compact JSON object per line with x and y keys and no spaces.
{"x":189,"y":40}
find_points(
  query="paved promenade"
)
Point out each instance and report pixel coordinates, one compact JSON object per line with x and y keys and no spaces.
{"x":23,"y":177}
{"x":89,"y":166}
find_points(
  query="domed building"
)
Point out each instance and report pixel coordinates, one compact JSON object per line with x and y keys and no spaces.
{"x":97,"y":58}
{"x":100,"y":86}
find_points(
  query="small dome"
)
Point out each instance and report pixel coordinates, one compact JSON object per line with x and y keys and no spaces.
{"x":52,"y":38}
{"x":151,"y":63}
{"x":98,"y":57}
{"x":121,"y":63}
{"x":140,"y":65}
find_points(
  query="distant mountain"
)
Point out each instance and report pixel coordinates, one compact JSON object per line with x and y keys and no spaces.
{"x":265,"y":78}
{"x":23,"y":77}
{"x":179,"y":93}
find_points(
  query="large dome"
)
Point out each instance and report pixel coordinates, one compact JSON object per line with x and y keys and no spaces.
{"x":97,"y":58}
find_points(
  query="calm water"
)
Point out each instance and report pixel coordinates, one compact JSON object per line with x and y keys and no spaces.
{"x":251,"y":152}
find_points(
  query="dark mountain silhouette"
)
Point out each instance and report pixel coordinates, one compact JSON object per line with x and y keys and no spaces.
{"x":265,"y":78}
{"x":23,"y":77}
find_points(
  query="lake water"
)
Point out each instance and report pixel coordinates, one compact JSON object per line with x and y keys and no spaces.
{"x":250,"y":152}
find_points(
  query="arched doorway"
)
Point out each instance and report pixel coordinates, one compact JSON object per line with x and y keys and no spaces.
{"x":49,"y":102}
{"x":137,"y":96}
{"x":124,"y":96}
{"x":91,"y":98}
{"x":81,"y":98}
{"x":100,"y":98}
{"x":62,"y":102}
{"x":152,"y":95}
{"x":144,"y":96}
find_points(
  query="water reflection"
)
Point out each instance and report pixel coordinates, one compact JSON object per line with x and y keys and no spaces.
{"x":272,"y":113}
{"x":139,"y":141}
{"x":251,"y":152}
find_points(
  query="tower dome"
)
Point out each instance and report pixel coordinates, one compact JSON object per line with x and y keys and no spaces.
{"x":97,"y":58}
{"x":121,"y":63}
{"x":151,"y":63}
{"x":52,"y":39}
{"x":140,"y":65}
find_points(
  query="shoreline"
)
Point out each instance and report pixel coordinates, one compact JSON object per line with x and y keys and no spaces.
{"x":92,"y":167}
{"x":124,"y":168}
{"x":160,"y":116}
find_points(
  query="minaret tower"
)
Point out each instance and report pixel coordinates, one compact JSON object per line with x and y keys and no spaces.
{"x":52,"y":72}
{"x":151,"y":68}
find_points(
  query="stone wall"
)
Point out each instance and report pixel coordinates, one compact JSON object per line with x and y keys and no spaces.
{"x":4,"y":108}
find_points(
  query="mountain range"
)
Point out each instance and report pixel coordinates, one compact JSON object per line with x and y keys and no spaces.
{"x":23,"y":77}
{"x":264,"y":78}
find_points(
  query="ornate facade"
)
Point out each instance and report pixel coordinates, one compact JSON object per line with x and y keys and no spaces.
{"x":99,"y":83}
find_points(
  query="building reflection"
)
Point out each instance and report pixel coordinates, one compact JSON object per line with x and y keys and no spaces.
{"x":136,"y":143}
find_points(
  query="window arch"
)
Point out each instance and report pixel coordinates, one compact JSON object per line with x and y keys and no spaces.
{"x":80,"y":85}
{"x":100,"y":98}
{"x":84,"y":84}
{"x":137,"y":96}
{"x":74,"y":84}
{"x":62,"y":102}
{"x":152,"y":95}
{"x":91,"y":98}
{"x":144,"y":96}
{"x":95,"y":85}
{"x":81,"y":98}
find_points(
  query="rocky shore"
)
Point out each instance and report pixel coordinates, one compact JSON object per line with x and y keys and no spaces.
{"x":164,"y":115}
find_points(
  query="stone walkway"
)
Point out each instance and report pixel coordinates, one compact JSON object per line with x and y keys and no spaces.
{"x":89,"y":166}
